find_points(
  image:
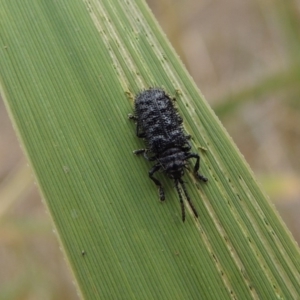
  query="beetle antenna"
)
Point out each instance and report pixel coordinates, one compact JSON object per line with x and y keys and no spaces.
{"x":181,"y":200}
{"x":188,"y":198}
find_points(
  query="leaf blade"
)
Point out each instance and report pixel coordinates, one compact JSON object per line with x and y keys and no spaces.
{"x":66,"y":73}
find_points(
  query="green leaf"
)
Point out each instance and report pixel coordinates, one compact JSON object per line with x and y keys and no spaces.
{"x":69,"y":74}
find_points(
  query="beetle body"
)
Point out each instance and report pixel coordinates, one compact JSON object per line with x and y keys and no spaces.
{"x":160,"y":125}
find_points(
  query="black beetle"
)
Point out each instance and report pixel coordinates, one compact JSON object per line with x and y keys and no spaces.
{"x":160,"y":125}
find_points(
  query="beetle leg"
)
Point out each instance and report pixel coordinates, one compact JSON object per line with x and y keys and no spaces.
{"x":157,"y":182}
{"x":144,"y":151}
{"x":197,"y":166}
{"x":188,"y":146}
{"x":132,"y":117}
{"x":138,"y":134}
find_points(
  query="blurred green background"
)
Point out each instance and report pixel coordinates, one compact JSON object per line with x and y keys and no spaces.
{"x":245,"y":58}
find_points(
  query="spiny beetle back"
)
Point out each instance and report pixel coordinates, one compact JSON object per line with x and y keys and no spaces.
{"x":159,"y":120}
{"x":160,"y":125}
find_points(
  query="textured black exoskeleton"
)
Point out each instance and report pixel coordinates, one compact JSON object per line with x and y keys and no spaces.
{"x":159,"y":123}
